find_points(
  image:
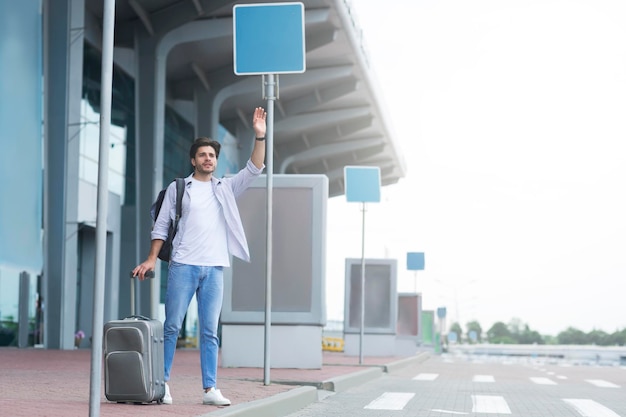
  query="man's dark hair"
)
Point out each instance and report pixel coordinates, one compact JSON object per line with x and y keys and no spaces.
{"x":204,"y":142}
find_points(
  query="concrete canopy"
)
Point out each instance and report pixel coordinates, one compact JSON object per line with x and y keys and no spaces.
{"x":330,"y":116}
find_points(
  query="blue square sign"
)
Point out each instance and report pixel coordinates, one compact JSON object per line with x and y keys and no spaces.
{"x":268,"y":38}
{"x":362,"y":184}
{"x":415,"y":261}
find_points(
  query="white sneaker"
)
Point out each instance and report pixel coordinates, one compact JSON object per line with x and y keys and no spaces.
{"x":167,"y":398}
{"x":214,"y":397}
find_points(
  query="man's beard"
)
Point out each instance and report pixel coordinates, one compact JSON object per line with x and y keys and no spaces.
{"x":203,"y":170}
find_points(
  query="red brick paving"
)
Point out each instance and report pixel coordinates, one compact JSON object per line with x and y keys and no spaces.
{"x":56,"y":383}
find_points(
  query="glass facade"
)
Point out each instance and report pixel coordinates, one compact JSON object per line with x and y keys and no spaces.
{"x":89,"y":151}
{"x":121,"y":131}
{"x":121,"y":178}
{"x":21,"y":167}
{"x":23,"y":46}
{"x":21,"y":126}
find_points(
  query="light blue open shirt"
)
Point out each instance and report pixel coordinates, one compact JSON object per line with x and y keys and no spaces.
{"x":226,"y":189}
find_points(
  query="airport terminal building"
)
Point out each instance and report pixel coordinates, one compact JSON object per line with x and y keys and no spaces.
{"x":173,"y":81}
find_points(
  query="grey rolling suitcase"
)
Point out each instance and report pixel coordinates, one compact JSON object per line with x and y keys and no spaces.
{"x":133,"y":360}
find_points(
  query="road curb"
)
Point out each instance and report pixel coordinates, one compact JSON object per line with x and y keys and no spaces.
{"x":403,"y":363}
{"x":281,"y":404}
{"x":291,"y":401}
{"x":344,"y":382}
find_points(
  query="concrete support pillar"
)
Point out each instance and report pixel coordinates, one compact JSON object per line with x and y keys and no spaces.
{"x":22,"y":308}
{"x":149,"y":139}
{"x":63,"y":66}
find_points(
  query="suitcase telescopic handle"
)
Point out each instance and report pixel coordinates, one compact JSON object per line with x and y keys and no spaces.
{"x":135,"y":300}
{"x":148,"y":274}
{"x":137,"y":317}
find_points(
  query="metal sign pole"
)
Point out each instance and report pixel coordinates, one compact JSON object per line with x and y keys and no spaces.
{"x":361,"y":334}
{"x":362,"y":184}
{"x":284,"y":54}
{"x":102,"y":206}
{"x":271,"y":93}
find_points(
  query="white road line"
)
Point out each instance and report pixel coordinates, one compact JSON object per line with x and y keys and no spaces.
{"x":437,"y":410}
{"x":491,"y":404}
{"x":425,"y":377}
{"x":561,"y":377}
{"x":590,"y":408}
{"x":602,"y":383}
{"x":391,"y":401}
{"x":543,"y":381}
{"x":483,"y":378}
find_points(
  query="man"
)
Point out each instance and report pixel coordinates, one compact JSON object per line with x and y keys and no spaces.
{"x":209,"y":231}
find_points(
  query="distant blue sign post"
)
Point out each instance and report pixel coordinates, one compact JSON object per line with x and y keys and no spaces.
{"x":362,"y":184}
{"x":441,"y":315}
{"x":473,"y":336}
{"x":268,"y":39}
{"x":415,"y":262}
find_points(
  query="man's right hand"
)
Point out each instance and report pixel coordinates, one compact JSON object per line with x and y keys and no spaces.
{"x":144,"y":270}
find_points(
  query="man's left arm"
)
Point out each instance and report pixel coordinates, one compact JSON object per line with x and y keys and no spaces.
{"x":260,"y":127}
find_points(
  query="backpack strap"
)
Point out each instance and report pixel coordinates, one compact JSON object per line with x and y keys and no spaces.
{"x":180,"y":191}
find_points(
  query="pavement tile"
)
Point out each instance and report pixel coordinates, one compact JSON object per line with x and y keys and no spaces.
{"x":56,"y":383}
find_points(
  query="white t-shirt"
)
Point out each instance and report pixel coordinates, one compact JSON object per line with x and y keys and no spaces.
{"x":204,"y":241}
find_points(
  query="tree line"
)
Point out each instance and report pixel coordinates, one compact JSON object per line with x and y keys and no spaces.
{"x":517,"y":332}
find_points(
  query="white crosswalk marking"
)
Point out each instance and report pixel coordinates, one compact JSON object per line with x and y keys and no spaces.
{"x":390,"y":401}
{"x":590,"y":408}
{"x":425,"y":377}
{"x":491,"y":404}
{"x":543,"y":381}
{"x":483,"y":378}
{"x":601,"y":383}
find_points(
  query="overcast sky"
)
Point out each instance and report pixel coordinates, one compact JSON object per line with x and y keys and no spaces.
{"x":511,"y":116}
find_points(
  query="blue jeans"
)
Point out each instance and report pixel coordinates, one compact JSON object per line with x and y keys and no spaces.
{"x":208,"y":285}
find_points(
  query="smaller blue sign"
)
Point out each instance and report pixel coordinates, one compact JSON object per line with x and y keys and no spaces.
{"x":362,"y":184}
{"x":441,"y":312}
{"x":415,"y":261}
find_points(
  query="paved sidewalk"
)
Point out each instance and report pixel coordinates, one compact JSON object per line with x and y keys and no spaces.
{"x":55,"y":383}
